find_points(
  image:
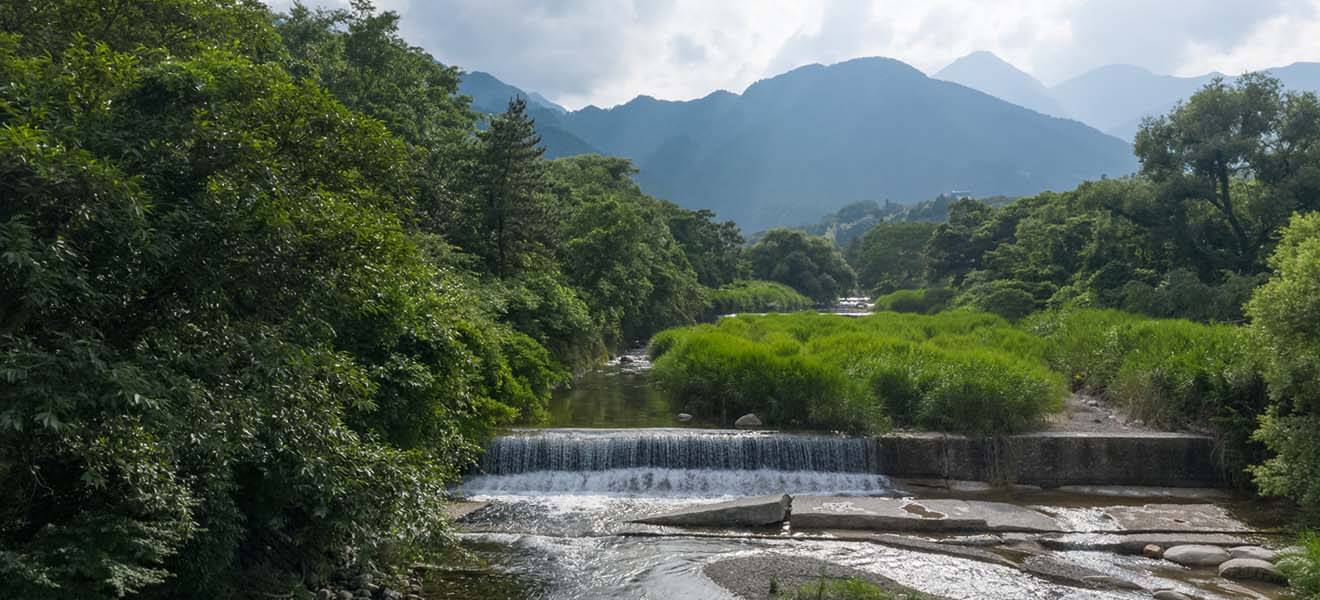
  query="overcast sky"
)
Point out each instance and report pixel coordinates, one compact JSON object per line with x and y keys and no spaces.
{"x":604,"y":52}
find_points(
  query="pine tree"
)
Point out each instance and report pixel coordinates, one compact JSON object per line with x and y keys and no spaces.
{"x":516,"y":217}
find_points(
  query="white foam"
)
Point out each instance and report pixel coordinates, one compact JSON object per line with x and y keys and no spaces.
{"x":677,"y":483}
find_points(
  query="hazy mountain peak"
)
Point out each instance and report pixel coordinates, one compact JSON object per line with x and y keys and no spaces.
{"x":984,"y":71}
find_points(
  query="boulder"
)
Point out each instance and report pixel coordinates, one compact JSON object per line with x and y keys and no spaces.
{"x":1252,"y":569}
{"x":1171,"y":595}
{"x":747,"y":421}
{"x":1197,"y":555}
{"x":1152,"y":551}
{"x":743,"y":512}
{"x":343,"y":595}
{"x":683,"y":417}
{"x":1255,"y":552}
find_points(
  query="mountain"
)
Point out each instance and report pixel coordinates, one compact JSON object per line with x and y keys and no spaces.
{"x":990,"y":74}
{"x":491,"y":96}
{"x":1116,"y":97}
{"x":812,"y":140}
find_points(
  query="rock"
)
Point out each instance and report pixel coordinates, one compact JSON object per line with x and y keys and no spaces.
{"x":1250,"y":568}
{"x":1255,"y":552}
{"x":625,"y":359}
{"x":744,"y":512}
{"x":458,"y":510}
{"x":343,"y":595}
{"x":1171,"y":595}
{"x":1152,"y":551}
{"x":362,"y":580}
{"x":1109,"y":581}
{"x":684,"y":417}
{"x":1175,"y":518}
{"x":906,"y":514}
{"x":1197,"y":555}
{"x":1134,"y":543}
{"x":747,"y":421}
{"x":389,"y":594}
{"x":324,"y":594}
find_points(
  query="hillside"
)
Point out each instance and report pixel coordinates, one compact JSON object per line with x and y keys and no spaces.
{"x":491,"y":96}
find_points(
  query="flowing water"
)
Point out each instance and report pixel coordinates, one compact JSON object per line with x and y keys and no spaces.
{"x":561,"y":499}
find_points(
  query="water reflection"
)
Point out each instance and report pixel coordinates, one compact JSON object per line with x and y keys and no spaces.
{"x":616,"y":394}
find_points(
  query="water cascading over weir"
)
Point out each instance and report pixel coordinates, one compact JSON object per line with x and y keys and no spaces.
{"x":665,"y":462}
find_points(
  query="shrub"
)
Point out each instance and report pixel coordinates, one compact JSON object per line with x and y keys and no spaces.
{"x":1303,"y":568}
{"x":1006,"y":298}
{"x":924,"y":301}
{"x":755,"y":296}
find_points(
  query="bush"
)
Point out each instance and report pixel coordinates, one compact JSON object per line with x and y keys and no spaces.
{"x":755,"y":296}
{"x":925,"y":301}
{"x":1007,"y":298}
{"x":1303,"y":568}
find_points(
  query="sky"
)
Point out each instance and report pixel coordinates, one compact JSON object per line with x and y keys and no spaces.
{"x":605,"y":52}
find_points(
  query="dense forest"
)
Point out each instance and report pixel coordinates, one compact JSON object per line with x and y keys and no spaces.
{"x":268,"y":282}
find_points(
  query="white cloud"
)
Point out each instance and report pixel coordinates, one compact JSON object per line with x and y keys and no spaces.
{"x":605,"y":52}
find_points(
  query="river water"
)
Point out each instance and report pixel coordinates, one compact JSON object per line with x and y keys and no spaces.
{"x":557,"y":527}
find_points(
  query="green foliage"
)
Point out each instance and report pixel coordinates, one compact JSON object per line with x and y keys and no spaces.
{"x":926,"y":301}
{"x":891,"y":256}
{"x":1006,"y":298}
{"x":1284,"y":314}
{"x":961,"y":371}
{"x":1303,"y":568}
{"x":810,"y":265}
{"x":755,"y":296}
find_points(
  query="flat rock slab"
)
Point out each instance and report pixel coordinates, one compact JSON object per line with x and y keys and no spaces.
{"x":1133,"y":543}
{"x":1061,"y":571}
{"x":749,"y":577}
{"x":1195,"y":494}
{"x":907,"y":514}
{"x":457,"y":510}
{"x":1176,"y":518}
{"x":746,"y":512}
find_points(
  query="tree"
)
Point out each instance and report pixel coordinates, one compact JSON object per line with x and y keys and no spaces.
{"x":1247,"y":150}
{"x":517,"y":222}
{"x":713,"y":248}
{"x":1284,"y":313}
{"x":891,"y":256}
{"x":811,"y":265}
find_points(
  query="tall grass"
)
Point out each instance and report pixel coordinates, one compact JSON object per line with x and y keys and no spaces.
{"x":958,"y":371}
{"x":755,"y":296}
{"x":925,"y":300}
{"x":1169,"y":373}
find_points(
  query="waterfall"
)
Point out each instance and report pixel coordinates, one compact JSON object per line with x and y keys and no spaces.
{"x":669,"y":462}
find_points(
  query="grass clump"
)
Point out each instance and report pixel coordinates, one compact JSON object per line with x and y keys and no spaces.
{"x":755,"y":296}
{"x":959,"y":371}
{"x":849,"y":588}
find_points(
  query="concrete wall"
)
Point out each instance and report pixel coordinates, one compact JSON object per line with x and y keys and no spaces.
{"x":1052,"y":459}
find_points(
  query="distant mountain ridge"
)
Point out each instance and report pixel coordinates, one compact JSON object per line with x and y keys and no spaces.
{"x":793,"y":147}
{"x":1111,"y":98}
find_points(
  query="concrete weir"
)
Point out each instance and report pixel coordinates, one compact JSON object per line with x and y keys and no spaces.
{"x":1053,"y":459}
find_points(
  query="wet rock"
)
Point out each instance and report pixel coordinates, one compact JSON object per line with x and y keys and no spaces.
{"x":683,"y":417}
{"x":458,"y":510}
{"x":1252,"y":569}
{"x":1134,"y":543}
{"x":906,"y":514}
{"x":343,"y":595}
{"x":1255,"y":552}
{"x":747,"y":421}
{"x":625,"y":359}
{"x":1062,"y":571}
{"x":745,"y":512}
{"x":1152,"y":551}
{"x":1197,"y":555}
{"x":1171,"y":595}
{"x":1145,"y":491}
{"x":1109,"y":581}
{"x":1209,"y":518}
{"x":324,"y":594}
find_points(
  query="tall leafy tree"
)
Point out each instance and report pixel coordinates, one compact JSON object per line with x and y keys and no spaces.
{"x":1247,"y":152}
{"x":891,"y":256}
{"x":809,"y":264}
